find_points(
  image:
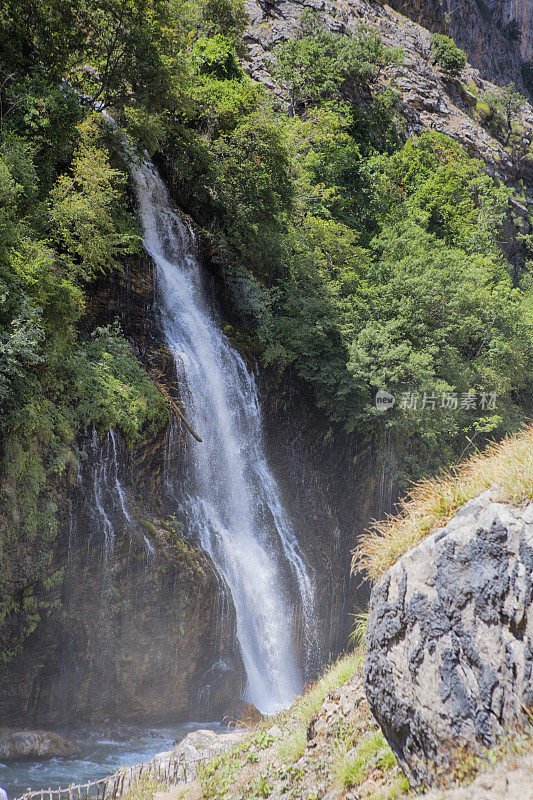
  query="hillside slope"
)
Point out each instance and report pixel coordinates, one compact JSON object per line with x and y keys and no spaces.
{"x":328,"y":746}
{"x":429,"y":97}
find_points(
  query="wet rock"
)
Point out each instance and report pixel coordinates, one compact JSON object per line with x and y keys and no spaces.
{"x":450,"y":639}
{"x":22,"y":745}
{"x":133,"y":643}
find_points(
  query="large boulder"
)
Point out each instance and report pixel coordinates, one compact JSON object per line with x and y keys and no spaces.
{"x":23,"y":745}
{"x":450,"y":639}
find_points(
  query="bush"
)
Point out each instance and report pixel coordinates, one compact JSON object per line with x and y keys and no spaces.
{"x":505,"y":105}
{"x":446,"y":54}
{"x":114,"y":388}
{"x":317,"y":62}
{"x":216,"y":56}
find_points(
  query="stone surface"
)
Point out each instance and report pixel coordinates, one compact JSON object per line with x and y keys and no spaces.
{"x":512,"y":779}
{"x":429,"y":99}
{"x":201,"y":745}
{"x":482,"y":30}
{"x":450,"y":639}
{"x":22,"y":745}
{"x":242,"y":714}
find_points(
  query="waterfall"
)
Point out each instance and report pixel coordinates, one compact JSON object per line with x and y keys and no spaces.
{"x":107,"y":508}
{"x":232,"y":501}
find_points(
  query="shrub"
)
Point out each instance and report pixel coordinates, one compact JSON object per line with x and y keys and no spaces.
{"x":317,"y":62}
{"x":216,"y":56}
{"x":505,"y":105}
{"x":446,"y":54}
{"x":483,"y":110}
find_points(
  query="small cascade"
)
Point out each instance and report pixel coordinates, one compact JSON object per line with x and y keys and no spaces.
{"x":100,"y":479}
{"x":230,"y":499}
{"x":109,"y":510}
{"x":107,"y":555}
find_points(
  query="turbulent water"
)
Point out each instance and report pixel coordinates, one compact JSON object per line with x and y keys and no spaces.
{"x":233,"y":502}
{"x":100,"y":754}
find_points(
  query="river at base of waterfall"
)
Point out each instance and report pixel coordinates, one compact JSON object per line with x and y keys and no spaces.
{"x":101,"y":752}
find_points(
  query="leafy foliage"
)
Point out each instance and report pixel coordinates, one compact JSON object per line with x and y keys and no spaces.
{"x":114,"y":389}
{"x":447,"y":55}
{"x":363,"y":261}
{"x":317,"y":62}
{"x":504,"y":106}
{"x":64,"y":219}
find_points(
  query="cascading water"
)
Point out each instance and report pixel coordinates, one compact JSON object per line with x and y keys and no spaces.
{"x":233,"y":501}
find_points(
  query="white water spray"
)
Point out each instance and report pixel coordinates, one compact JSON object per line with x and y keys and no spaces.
{"x":233,"y":504}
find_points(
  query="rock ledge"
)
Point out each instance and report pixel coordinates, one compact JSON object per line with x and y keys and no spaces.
{"x":25,"y":745}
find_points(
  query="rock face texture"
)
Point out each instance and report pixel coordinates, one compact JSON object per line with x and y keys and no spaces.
{"x":21,"y":745}
{"x":495,"y":35}
{"x":429,"y":99}
{"x":450,"y":639}
{"x":199,"y":746}
{"x":520,"y":12}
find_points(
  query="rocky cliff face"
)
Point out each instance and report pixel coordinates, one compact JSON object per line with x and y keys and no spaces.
{"x":450,"y":640}
{"x":333,"y":488}
{"x":429,"y":98}
{"x":519,"y":14}
{"x":141,"y":627}
{"x":496,"y":36}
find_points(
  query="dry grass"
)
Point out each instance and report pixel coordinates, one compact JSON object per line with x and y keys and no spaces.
{"x":508,"y":466}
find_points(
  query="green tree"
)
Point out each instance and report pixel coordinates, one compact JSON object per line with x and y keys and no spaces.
{"x":505,"y":104}
{"x":446,"y":54}
{"x":253,"y":190}
{"x":317,"y":62}
{"x":82,"y":205}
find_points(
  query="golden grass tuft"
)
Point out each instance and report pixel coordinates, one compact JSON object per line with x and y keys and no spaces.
{"x":507,"y":466}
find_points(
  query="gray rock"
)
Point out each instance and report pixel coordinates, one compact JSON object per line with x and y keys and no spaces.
{"x":201,"y":745}
{"x":428,"y":97}
{"x":450,"y":639}
{"x":24,"y":745}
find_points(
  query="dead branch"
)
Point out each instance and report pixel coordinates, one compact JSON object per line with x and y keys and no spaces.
{"x":174,"y":406}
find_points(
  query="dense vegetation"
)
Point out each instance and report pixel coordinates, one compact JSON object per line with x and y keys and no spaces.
{"x":63,"y":220}
{"x":447,"y":55}
{"x":367,"y":262}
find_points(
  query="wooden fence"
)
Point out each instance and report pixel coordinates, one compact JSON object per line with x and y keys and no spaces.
{"x":166,"y":771}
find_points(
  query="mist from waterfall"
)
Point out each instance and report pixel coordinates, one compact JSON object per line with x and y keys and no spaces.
{"x":232,"y":501}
